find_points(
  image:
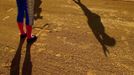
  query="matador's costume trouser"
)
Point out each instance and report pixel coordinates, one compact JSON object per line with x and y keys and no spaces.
{"x":25,"y":9}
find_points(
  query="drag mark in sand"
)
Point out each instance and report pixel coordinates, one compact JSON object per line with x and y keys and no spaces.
{"x":9,"y":10}
{"x":5,"y":18}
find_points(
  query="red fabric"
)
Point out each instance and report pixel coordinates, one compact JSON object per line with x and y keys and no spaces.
{"x":29,"y":31}
{"x":20,"y":26}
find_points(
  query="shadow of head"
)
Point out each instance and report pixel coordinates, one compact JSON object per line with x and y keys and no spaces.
{"x":109,"y":40}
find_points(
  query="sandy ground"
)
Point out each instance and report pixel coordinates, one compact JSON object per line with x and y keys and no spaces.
{"x":91,"y":37}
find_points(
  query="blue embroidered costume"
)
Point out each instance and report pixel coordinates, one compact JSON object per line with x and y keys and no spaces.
{"x":25,"y":8}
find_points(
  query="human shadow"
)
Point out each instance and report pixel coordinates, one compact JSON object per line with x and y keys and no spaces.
{"x":15,"y":65}
{"x":37,"y":9}
{"x":94,"y":22}
{"x":27,"y":65}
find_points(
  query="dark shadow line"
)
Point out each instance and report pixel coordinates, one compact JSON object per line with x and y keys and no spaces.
{"x":94,"y":22}
{"x":15,"y":65}
{"x":37,"y":9}
{"x":27,"y":65}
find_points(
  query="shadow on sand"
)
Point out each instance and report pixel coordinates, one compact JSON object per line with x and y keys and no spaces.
{"x":15,"y":65}
{"x":37,"y":9}
{"x":94,"y":22}
{"x":27,"y":65}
